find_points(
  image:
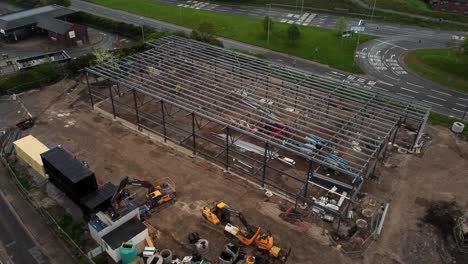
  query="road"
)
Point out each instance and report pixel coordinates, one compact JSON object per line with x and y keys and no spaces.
{"x":15,"y":239}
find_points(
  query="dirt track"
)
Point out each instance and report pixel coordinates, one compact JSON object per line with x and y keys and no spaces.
{"x":409,"y":183}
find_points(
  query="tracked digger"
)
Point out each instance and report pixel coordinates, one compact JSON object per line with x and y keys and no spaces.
{"x":156,"y":194}
{"x":221,"y":213}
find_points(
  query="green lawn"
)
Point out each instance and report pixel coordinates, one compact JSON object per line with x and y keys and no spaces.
{"x":321,"y":45}
{"x":333,"y":6}
{"x":440,"y":65}
{"x":419,"y":7}
{"x":443,"y":120}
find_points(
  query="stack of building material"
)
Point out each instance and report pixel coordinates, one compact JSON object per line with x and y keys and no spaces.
{"x":29,"y":149}
{"x":68,"y":174}
{"x":7,"y":137}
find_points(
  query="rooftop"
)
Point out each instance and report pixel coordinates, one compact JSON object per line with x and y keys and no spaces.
{"x":32,"y":16}
{"x":66,"y":164}
{"x":124,"y":233}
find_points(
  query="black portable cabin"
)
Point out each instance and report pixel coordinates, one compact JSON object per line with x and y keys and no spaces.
{"x":69,"y":174}
{"x":99,"y":200}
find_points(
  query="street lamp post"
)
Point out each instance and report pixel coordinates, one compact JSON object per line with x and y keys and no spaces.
{"x":372,"y":14}
{"x":269,"y":22}
{"x":142,"y":30}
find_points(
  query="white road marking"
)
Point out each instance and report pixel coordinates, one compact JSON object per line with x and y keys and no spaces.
{"x":363,"y":49}
{"x":458,"y":110}
{"x":461,"y":105}
{"x":441,"y":92}
{"x":409,"y":90}
{"x":391,"y":44}
{"x":463,"y":99}
{"x":337,"y":73}
{"x":386,"y":83}
{"x":435,"y":97}
{"x":405,"y":95}
{"x":431,"y":102}
{"x":391,"y":77}
{"x":415,"y":84}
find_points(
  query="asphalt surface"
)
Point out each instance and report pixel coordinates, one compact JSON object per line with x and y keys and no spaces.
{"x":15,"y":239}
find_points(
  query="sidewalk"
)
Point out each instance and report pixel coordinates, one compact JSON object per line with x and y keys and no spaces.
{"x":32,"y":222}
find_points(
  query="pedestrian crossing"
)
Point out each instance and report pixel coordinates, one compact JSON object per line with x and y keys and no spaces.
{"x":298,"y":19}
{"x":198,"y":5}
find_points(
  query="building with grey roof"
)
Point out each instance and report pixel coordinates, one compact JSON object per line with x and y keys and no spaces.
{"x":49,"y":20}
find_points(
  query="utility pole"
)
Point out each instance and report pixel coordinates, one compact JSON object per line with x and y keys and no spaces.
{"x":142,"y":30}
{"x":269,"y":22}
{"x":372,"y":14}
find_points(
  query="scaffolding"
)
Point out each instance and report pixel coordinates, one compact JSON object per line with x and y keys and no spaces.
{"x":286,"y":129}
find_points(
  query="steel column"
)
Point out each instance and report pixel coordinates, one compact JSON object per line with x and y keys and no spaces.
{"x":112,"y":99}
{"x":265,"y":157}
{"x":89,"y":90}
{"x":193,"y":134}
{"x":136,"y":108}
{"x":163,"y":120}
{"x":308,"y":177}
{"x":226,"y":165}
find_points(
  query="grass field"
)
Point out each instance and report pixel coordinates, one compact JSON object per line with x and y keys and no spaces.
{"x":419,"y":7}
{"x":321,"y":45}
{"x":407,"y":6}
{"x":446,"y":121}
{"x":440,"y":65}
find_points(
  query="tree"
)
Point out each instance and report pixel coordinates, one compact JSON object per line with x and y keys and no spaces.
{"x":341,"y":25}
{"x":207,"y":27}
{"x":465,"y":46}
{"x":103,"y":56}
{"x":267,"y":24}
{"x":454,"y":45}
{"x":293,"y":33}
{"x":57,"y":2}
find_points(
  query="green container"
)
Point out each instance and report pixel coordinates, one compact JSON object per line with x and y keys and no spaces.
{"x":128,"y":252}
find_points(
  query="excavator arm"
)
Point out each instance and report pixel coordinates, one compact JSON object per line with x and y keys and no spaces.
{"x":145,"y":184}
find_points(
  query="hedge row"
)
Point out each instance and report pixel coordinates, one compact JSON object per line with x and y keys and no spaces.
{"x":49,"y":73}
{"x":35,"y":3}
{"x":130,"y":31}
{"x":31,"y":78}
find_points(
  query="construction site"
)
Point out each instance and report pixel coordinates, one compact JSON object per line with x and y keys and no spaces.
{"x":242,"y":160}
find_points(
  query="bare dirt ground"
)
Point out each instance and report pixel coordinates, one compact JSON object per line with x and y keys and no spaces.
{"x":411,"y":183}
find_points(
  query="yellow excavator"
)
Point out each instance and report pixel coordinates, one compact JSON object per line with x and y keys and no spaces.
{"x":220,"y":213}
{"x":157,"y":194}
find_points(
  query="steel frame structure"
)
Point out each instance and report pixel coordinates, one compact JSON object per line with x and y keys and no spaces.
{"x":267,"y":104}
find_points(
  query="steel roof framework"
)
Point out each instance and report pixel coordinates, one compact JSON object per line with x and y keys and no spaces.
{"x":222,"y":86}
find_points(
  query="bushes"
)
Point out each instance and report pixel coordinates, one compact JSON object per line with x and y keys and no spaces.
{"x":74,"y":66}
{"x":205,"y":37}
{"x":120,"y":28}
{"x":36,"y":3}
{"x":31,"y":78}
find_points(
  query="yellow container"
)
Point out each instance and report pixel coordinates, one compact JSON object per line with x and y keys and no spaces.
{"x":30,"y":149}
{"x":250,"y":260}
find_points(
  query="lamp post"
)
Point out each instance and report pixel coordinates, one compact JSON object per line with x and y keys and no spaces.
{"x":373,"y":8}
{"x":142,"y":30}
{"x":269,"y":22}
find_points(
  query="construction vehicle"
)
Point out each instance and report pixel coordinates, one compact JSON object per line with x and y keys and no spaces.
{"x":157,"y":194}
{"x":221,"y":213}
